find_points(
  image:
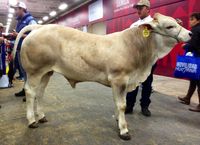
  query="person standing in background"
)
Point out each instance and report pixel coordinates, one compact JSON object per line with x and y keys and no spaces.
{"x":193,"y":46}
{"x":24,"y":19}
{"x":1,"y":40}
{"x":143,"y":10}
{"x":1,"y":31}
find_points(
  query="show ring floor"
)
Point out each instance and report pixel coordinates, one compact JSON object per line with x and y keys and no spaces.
{"x":84,"y":116}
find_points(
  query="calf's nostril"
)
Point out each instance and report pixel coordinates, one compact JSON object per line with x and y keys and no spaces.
{"x":190,"y":34}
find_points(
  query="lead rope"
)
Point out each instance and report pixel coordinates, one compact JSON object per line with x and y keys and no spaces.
{"x":176,"y":37}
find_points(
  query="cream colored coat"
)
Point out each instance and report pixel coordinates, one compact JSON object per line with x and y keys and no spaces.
{"x":120,"y":60}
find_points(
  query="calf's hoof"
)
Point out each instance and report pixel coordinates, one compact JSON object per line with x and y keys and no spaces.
{"x":43,"y":120}
{"x":33,"y":125}
{"x":125,"y":136}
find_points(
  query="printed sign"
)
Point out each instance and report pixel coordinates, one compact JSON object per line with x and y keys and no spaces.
{"x":95,"y":10}
{"x":120,"y":5}
{"x":186,"y":67}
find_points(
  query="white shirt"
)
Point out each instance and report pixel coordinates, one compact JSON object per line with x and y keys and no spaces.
{"x":142,"y":21}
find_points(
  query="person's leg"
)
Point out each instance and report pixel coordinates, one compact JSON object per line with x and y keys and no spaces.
{"x":130,"y":100}
{"x":198,"y":84}
{"x":16,"y":65}
{"x":197,"y":108}
{"x":192,"y":88}
{"x":146,"y":93}
{"x":21,"y":72}
{"x":22,"y":75}
{"x":23,"y":92}
{"x":11,"y":73}
{"x":3,"y":59}
{"x":1,"y":73}
{"x":1,"y":70}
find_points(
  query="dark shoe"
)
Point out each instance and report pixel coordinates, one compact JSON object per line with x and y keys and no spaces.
{"x":20,"y":94}
{"x":184,"y":100}
{"x":195,"y":109}
{"x":129,"y":111}
{"x":24,"y":99}
{"x":18,"y":77}
{"x":1,"y":73}
{"x":10,"y":85}
{"x":146,"y":112}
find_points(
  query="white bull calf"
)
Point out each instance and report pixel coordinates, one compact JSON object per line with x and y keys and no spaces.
{"x":120,"y":60}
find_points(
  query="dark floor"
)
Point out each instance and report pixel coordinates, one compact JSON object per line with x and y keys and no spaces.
{"x":84,"y":116}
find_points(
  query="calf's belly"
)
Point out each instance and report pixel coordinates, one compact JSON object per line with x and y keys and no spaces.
{"x":81,"y":73}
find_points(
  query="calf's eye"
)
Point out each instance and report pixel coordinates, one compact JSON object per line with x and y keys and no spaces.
{"x":169,"y":27}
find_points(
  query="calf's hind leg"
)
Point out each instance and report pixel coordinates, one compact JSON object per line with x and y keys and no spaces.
{"x":39,"y":111}
{"x":31,"y":88}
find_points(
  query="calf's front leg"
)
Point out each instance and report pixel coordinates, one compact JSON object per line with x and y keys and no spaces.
{"x":119,"y":93}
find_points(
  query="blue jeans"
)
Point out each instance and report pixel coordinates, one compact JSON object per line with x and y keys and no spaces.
{"x":3,"y":58}
{"x":18,"y":65}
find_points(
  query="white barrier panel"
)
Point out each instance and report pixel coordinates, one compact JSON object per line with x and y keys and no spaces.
{"x":4,"y":82}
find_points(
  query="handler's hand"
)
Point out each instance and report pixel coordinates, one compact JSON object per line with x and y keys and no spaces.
{"x":183,"y":45}
{"x":14,"y":34}
{"x":1,"y":39}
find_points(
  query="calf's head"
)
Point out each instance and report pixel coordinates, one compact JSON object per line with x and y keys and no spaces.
{"x":167,"y":32}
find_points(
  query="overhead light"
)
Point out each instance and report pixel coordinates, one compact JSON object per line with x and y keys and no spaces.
{"x":12,"y":2}
{"x":11,"y":10}
{"x":53,"y":13}
{"x":40,"y":22}
{"x":10,"y":15}
{"x":8,"y":23}
{"x":63,"y":6}
{"x":9,"y":20}
{"x":45,"y":18}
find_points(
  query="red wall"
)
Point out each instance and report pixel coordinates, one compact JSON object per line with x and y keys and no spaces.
{"x":118,"y":18}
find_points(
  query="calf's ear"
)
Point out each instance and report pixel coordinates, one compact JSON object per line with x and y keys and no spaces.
{"x":146,"y":26}
{"x":150,"y":26}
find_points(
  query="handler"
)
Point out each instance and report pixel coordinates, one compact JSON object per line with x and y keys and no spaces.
{"x":143,"y":10}
{"x":4,"y":83}
{"x":1,"y":40}
{"x":24,"y":18}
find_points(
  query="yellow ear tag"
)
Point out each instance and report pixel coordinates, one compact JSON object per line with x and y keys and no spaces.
{"x":146,"y":32}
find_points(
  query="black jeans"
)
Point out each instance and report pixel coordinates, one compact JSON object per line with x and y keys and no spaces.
{"x":11,"y":72}
{"x":192,"y":87}
{"x":146,"y":93}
